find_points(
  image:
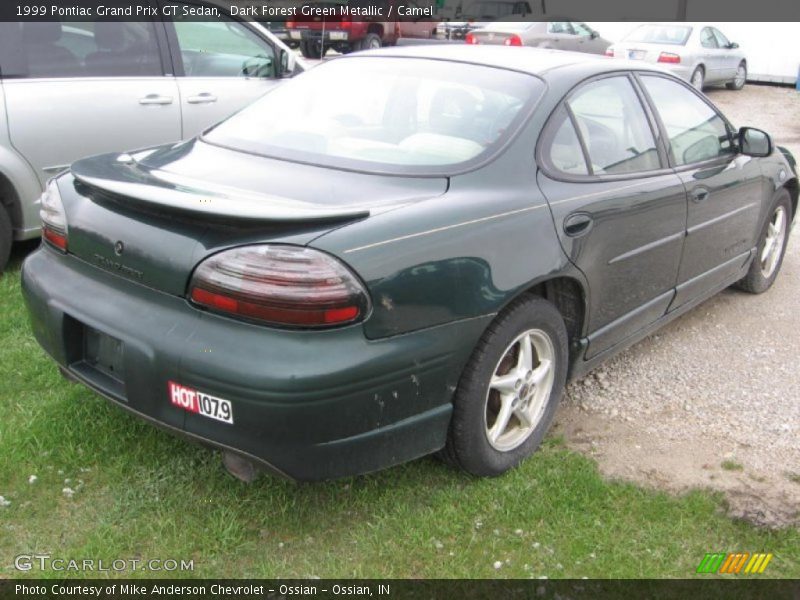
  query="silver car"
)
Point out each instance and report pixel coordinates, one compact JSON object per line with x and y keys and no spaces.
{"x":69,"y":90}
{"x":698,"y":53}
{"x":560,"y":35}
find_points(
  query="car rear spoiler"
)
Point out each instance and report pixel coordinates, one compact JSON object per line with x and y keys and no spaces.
{"x":123,"y":179}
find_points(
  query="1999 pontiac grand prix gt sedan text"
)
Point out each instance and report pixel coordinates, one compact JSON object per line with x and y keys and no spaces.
{"x":331,"y":283}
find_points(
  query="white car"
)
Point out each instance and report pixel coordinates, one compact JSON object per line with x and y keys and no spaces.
{"x":699,"y":53}
{"x":70,"y":90}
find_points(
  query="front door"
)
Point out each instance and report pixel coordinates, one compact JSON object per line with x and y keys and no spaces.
{"x":619,"y":211}
{"x":222,"y":66}
{"x":723,"y":187}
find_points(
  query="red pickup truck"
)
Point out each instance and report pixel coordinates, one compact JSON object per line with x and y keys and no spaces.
{"x":325,"y":26}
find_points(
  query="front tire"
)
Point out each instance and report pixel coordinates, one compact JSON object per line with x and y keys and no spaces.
{"x":5,"y":237}
{"x":740,"y":79}
{"x":771,"y":247}
{"x":509,"y":390}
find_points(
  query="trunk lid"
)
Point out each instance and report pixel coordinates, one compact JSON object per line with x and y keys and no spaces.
{"x":153,"y":216}
{"x":643,"y":51}
{"x":491,"y":37}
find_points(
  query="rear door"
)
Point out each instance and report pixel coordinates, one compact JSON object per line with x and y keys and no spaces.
{"x":221,"y":66}
{"x":723,"y":187}
{"x":619,"y":211}
{"x":77,"y":89}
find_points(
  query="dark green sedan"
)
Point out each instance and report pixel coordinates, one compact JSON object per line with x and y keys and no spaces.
{"x":402,"y":252}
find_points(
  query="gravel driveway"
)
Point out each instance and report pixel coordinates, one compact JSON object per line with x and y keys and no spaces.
{"x":712,"y":399}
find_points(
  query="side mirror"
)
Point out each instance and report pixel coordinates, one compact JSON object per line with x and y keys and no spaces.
{"x":754,"y":142}
{"x":594,"y":35}
{"x":733,"y":46}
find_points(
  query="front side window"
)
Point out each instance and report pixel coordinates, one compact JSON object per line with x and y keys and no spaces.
{"x":581,"y":28}
{"x":696,"y":132}
{"x":614,"y":127}
{"x":559,"y":27}
{"x":395,"y":114}
{"x":223,"y":48}
{"x":707,"y":39}
{"x":40,"y":49}
{"x":722,"y":41}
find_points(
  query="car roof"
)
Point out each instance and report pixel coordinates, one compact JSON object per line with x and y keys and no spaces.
{"x":536,"y":61}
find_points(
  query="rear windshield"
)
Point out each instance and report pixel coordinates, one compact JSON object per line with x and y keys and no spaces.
{"x":401,"y":115}
{"x":660,"y":34}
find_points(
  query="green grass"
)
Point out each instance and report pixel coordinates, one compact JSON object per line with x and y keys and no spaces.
{"x":731,"y":465}
{"x":141,"y":493}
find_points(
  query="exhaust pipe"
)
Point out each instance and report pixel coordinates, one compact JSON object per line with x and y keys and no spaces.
{"x":240,"y":467}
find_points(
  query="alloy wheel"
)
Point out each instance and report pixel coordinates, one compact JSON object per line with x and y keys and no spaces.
{"x":774,"y":241}
{"x":519,"y":390}
{"x":697,"y":79}
{"x":741,"y":76}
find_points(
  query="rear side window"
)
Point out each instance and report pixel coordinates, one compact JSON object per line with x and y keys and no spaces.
{"x":614,"y":127}
{"x":696,"y":132}
{"x":80,"y":49}
{"x":564,"y":152}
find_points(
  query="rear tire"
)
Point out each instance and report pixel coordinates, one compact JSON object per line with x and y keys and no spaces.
{"x":698,"y":79}
{"x":5,"y":237}
{"x":313,"y":50}
{"x":771,"y":247}
{"x":740,"y":79}
{"x":509,"y":390}
{"x":372,"y":41}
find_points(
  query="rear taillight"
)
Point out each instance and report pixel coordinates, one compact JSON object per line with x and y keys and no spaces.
{"x":471,"y":39}
{"x":609,"y":51}
{"x":54,"y":219}
{"x":514,"y":40}
{"x":280,"y":285}
{"x":669,"y":57}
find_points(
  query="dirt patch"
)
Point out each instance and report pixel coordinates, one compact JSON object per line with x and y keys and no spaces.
{"x":713,"y":399}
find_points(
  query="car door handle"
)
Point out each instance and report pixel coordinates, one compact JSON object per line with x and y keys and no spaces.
{"x":577,"y":224}
{"x":700,"y":193}
{"x":155,"y":99}
{"x":204,"y":98}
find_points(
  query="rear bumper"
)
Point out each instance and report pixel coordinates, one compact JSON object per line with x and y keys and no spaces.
{"x":332,"y":37}
{"x":309,"y":405}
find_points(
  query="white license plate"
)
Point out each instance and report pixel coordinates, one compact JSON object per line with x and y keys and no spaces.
{"x":636,"y":54}
{"x":295,"y":35}
{"x":338,"y":35}
{"x":198,"y":402}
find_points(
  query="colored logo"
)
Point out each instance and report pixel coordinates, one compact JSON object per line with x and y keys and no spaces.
{"x":734,"y":563}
